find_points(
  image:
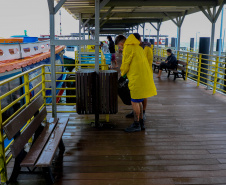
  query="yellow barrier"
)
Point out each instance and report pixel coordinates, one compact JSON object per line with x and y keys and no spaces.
{"x":25,"y":97}
{"x":207,"y":70}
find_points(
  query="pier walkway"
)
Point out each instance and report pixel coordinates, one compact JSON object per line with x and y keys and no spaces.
{"x":184,"y":143}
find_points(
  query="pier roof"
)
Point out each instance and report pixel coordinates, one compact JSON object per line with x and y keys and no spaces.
{"x":128,"y":13}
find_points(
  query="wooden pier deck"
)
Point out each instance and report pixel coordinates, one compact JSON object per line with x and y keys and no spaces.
{"x":184,"y":143}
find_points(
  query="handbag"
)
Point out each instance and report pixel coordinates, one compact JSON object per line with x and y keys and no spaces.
{"x":123,"y":90}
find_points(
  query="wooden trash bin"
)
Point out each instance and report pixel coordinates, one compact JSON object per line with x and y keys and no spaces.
{"x":108,"y":92}
{"x":85,"y":91}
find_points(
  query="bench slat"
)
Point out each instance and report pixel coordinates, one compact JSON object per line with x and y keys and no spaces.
{"x":181,"y":68}
{"x":21,"y":140}
{"x":35,"y":151}
{"x":21,"y":119}
{"x":47,"y":155}
{"x":182,"y":63}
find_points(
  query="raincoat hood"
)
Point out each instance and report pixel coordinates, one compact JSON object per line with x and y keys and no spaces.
{"x":132,"y":40}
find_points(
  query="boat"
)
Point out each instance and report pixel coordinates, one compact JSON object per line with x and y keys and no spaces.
{"x":20,"y":54}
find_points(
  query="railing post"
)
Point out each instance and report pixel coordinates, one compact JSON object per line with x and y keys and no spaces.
{"x":43,"y":85}
{"x":215,"y":76}
{"x":103,"y":61}
{"x":186,"y":77}
{"x":199,"y":69}
{"x":178,"y":55}
{"x":3,"y":168}
{"x":27,"y":93}
{"x":107,"y":118}
{"x":76,"y":61}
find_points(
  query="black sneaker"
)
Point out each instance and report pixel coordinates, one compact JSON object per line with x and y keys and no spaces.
{"x":130,"y":115}
{"x":142,"y":124}
{"x":135,"y":127}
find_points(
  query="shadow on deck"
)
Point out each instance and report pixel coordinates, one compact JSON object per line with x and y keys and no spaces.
{"x":184,"y":143}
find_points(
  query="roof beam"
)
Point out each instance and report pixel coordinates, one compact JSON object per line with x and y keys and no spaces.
{"x":219,"y":10}
{"x":86,"y":22}
{"x":106,"y":14}
{"x":108,"y":17}
{"x":212,"y":16}
{"x":171,"y":18}
{"x":138,"y":15}
{"x":208,"y":15}
{"x":163,"y":3}
{"x":179,"y":19}
{"x":59,"y":5}
{"x":129,"y":21}
{"x":104,"y":3}
{"x":51,"y":6}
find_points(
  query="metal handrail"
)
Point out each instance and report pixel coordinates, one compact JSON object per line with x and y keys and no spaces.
{"x":210,"y":70}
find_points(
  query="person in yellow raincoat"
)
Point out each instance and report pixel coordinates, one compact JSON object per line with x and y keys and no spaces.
{"x":148,"y":51}
{"x":136,"y":67}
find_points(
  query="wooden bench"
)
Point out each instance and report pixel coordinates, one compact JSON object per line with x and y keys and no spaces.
{"x":47,"y":137}
{"x":180,"y":70}
{"x":157,"y":61}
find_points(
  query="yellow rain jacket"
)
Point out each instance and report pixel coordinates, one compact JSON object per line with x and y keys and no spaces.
{"x":149,"y":54}
{"x":135,"y":65}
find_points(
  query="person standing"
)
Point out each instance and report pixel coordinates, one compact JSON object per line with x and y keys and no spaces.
{"x":111,"y":47}
{"x":148,"y":51}
{"x":136,"y":67}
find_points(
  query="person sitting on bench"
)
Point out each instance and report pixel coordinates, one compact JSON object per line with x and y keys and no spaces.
{"x":170,"y":63}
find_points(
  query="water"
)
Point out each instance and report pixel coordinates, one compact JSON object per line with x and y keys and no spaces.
{"x":187,"y":45}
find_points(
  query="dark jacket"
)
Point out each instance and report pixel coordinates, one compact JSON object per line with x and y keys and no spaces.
{"x":111,"y":46}
{"x":172,"y":61}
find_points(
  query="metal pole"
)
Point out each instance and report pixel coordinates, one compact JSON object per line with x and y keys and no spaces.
{"x":150,"y":35}
{"x":212,"y":32}
{"x":80,"y":27}
{"x":84,"y":33}
{"x":178,"y":37}
{"x":158,"y":30}
{"x":88,"y":32}
{"x":143,"y":31}
{"x":221,"y":31}
{"x":211,"y":48}
{"x":158,"y":38}
{"x":53,"y":67}
{"x":97,"y":31}
{"x":212,"y":38}
{"x":223,"y":40}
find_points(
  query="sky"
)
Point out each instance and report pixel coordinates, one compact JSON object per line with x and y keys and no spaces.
{"x":33,"y":16}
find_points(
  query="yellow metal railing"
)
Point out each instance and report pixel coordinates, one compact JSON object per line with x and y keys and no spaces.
{"x":208,"y":70}
{"x":24,"y":98}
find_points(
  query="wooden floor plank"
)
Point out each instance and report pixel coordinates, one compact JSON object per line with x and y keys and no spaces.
{"x":184,"y":142}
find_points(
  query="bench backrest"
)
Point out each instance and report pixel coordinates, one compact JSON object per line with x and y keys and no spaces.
{"x":181,"y":65}
{"x":13,"y":127}
{"x":162,"y":59}
{"x":155,"y":57}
